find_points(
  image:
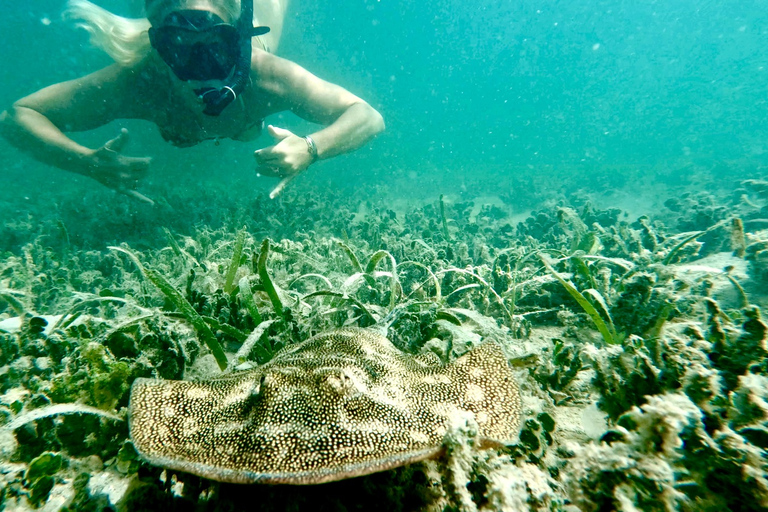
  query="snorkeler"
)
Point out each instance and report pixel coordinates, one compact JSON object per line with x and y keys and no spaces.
{"x":198,"y":69}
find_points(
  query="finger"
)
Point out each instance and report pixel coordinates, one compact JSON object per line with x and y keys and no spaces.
{"x":137,"y":195}
{"x":140,"y":167}
{"x":269,"y":171}
{"x":278,"y":133}
{"x":280,"y":186}
{"x":266,"y":155}
{"x":118,"y":143}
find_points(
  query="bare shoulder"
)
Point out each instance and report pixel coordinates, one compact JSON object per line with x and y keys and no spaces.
{"x":286,"y":85}
{"x":135,"y":88}
{"x":274,"y":74}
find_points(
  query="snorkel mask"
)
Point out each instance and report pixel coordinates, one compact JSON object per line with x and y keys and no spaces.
{"x":199,"y":45}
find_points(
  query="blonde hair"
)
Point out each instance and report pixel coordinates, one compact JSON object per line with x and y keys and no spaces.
{"x":126,"y":40}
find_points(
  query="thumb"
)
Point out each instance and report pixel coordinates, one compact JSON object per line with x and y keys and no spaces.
{"x":278,"y":133}
{"x":118,"y":143}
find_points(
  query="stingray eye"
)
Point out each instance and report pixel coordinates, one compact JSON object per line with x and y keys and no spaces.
{"x":340,"y":382}
{"x":258,"y":387}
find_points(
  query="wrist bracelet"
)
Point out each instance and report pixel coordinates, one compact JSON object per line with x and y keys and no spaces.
{"x":311,"y":147}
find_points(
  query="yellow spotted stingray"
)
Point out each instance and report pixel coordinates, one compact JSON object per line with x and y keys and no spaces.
{"x":342,"y":404}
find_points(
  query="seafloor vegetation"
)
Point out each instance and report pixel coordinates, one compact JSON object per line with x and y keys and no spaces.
{"x":638,"y":343}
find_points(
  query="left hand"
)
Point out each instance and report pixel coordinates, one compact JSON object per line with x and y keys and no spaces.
{"x":286,"y":159}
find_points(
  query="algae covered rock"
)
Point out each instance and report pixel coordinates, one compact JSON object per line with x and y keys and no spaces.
{"x":664,"y":459}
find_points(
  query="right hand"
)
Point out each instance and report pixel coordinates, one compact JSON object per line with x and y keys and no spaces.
{"x":122,"y":173}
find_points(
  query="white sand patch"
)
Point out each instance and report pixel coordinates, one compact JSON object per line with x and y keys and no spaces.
{"x":713,"y":268}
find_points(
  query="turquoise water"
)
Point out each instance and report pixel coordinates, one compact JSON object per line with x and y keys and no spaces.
{"x":476,"y":87}
{"x":514,"y":130}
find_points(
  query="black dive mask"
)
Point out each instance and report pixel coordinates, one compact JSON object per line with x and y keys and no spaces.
{"x":198,"y":45}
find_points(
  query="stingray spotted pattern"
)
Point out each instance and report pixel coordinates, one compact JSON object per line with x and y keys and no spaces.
{"x":342,"y":404}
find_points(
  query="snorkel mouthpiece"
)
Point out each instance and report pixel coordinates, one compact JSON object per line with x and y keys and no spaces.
{"x":216,"y":100}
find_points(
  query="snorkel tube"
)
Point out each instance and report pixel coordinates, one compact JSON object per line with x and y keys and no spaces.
{"x":216,"y":100}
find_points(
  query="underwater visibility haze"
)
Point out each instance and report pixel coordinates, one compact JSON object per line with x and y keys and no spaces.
{"x":540,"y":288}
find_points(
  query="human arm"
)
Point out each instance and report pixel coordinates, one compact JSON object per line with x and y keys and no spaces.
{"x":349,"y":122}
{"x":36,"y":125}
